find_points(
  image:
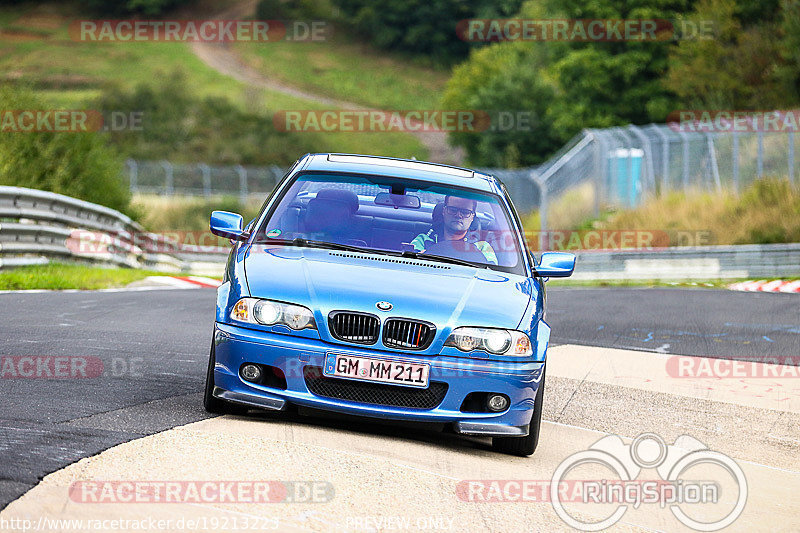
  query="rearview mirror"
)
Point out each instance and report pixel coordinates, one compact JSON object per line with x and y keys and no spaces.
{"x":407,"y":201}
{"x":227,"y":225}
{"x":556,"y":265}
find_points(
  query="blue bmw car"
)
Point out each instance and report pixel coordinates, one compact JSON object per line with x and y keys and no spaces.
{"x":385,"y":288}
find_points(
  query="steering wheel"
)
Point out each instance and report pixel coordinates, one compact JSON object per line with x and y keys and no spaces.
{"x":467,"y":251}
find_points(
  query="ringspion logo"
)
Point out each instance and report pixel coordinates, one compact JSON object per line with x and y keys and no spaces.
{"x":691,"y":476}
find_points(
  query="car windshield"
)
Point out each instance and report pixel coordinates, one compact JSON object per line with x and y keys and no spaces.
{"x":397,"y":216}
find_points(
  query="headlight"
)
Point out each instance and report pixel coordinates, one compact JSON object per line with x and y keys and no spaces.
{"x":269,"y":313}
{"x":266,"y":312}
{"x":494,"y":341}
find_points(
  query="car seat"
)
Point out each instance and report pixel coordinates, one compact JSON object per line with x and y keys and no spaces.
{"x":332,"y":213}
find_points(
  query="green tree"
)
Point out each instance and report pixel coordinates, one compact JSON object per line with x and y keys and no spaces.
{"x":484,"y":84}
{"x":148,"y":8}
{"x":736,"y":70}
{"x":422,"y":27}
{"x":788,"y":72}
{"x":571,"y":84}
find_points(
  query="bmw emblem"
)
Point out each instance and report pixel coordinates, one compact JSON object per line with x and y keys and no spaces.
{"x":384,"y":306}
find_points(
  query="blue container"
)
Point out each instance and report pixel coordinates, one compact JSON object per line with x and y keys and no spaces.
{"x":623,"y":182}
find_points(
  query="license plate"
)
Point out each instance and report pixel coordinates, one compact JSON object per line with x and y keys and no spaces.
{"x":377,"y":370}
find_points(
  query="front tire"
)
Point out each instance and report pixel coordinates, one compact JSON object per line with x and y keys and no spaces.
{"x":211,"y":403}
{"x":524,"y":446}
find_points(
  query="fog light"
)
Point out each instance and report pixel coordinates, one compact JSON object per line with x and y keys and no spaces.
{"x":251,"y":372}
{"x":497,"y":402}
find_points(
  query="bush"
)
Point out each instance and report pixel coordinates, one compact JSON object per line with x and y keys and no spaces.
{"x":291,"y":9}
{"x":149,"y":8}
{"x":165,"y":213}
{"x":81,"y":165}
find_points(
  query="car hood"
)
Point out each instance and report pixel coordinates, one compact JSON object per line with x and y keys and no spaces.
{"x":444,"y":294}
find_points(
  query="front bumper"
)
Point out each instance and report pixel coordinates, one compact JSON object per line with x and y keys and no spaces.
{"x":235,"y":346}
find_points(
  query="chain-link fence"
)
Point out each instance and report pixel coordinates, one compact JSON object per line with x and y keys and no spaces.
{"x":165,"y":178}
{"x":621,"y":167}
{"x":617,"y":167}
{"x":177,"y":179}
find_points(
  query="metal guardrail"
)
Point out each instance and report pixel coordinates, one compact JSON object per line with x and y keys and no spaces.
{"x":39,"y":226}
{"x":695,"y":263}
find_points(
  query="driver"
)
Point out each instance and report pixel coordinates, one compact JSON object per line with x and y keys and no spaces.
{"x":458,"y":214}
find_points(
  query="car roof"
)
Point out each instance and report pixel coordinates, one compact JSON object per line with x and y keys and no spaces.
{"x":406,"y":168}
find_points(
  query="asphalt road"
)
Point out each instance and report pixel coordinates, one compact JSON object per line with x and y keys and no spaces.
{"x":153,"y":346}
{"x":706,"y":322}
{"x":152,"y":349}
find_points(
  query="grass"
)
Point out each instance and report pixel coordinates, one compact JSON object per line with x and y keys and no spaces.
{"x":704,"y":284}
{"x":767,"y":212}
{"x":72,"y":74}
{"x":344,"y":69}
{"x":65,"y":276}
{"x":708,"y":284}
{"x":568,"y":211}
{"x":164,"y":213}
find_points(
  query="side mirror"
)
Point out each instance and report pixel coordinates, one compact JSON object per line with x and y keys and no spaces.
{"x":228,"y":225}
{"x":556,"y":265}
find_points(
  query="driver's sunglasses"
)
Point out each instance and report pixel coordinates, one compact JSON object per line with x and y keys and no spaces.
{"x":463,"y":213}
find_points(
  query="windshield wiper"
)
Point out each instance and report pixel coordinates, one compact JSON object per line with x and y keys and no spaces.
{"x":299,"y":241}
{"x":306,"y":243}
{"x":442,"y":259}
